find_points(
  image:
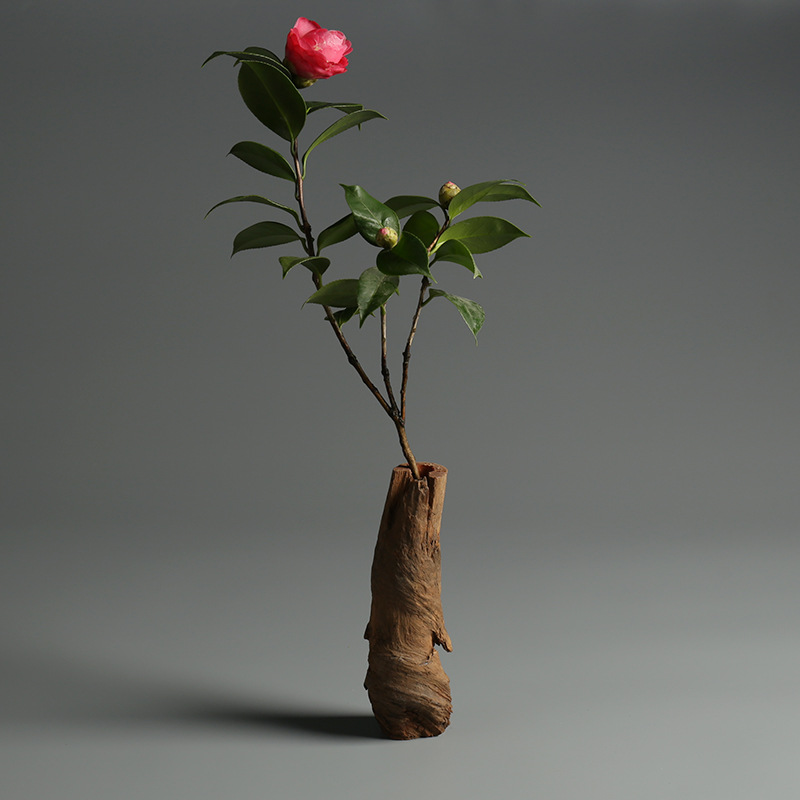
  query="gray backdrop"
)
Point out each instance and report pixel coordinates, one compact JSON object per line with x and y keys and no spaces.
{"x":193,"y":476}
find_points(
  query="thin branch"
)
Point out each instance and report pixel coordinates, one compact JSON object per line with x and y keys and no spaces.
{"x":421,"y":302}
{"x":407,"y":352}
{"x":305,"y":227}
{"x":311,"y":250}
{"x":387,"y":380}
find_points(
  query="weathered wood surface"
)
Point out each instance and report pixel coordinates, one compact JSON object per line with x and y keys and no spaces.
{"x":407,"y":686}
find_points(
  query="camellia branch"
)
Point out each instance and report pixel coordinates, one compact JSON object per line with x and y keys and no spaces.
{"x":270,"y":88}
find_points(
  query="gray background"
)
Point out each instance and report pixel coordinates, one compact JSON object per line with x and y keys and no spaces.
{"x":192,"y":476}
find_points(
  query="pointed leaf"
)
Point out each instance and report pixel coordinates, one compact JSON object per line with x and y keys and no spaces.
{"x":345,"y":108}
{"x":273,"y":99}
{"x":255,"y":55}
{"x":317,"y":264}
{"x":470,"y":311}
{"x":264,"y":159}
{"x":338,"y":232}
{"x":369,"y":214}
{"x":482,"y":234}
{"x":408,"y":257}
{"x":458,"y":253}
{"x":404,"y":205}
{"x":264,"y":234}
{"x":344,"y":315}
{"x":272,"y":58}
{"x":424,"y":226}
{"x":339,"y":294}
{"x":374,"y":289}
{"x":472,"y":194}
{"x":510,"y":191}
{"x":254,"y":198}
{"x":341,"y":125}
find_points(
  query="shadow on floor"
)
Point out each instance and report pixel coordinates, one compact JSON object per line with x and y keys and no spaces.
{"x":39,"y":690}
{"x":358,"y":726}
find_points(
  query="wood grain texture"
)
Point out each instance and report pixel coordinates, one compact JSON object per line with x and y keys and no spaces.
{"x":407,"y":686}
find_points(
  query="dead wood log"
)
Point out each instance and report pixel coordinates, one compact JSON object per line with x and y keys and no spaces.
{"x":407,"y":686}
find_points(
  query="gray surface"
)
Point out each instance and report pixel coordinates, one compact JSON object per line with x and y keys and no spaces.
{"x":191,"y":479}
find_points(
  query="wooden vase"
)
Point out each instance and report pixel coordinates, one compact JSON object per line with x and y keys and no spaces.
{"x":407,"y":686}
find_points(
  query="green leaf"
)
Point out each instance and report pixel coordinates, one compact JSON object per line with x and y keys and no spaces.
{"x":482,"y":234}
{"x":346,"y":108}
{"x":408,"y":257}
{"x":339,"y":294}
{"x":264,"y":159}
{"x":273,"y":99}
{"x":470,"y":195}
{"x":272,"y":58}
{"x":458,"y":253}
{"x":340,"y":231}
{"x":509,"y":191}
{"x":341,"y":125}
{"x":374,"y":289}
{"x":264,"y":234}
{"x":404,"y":205}
{"x":424,"y":226}
{"x":254,"y":55}
{"x":317,"y":264}
{"x":344,"y":315}
{"x":369,"y":214}
{"x":254,"y":198}
{"x":470,"y":311}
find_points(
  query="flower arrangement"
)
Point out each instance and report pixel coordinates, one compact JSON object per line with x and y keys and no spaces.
{"x":408,"y":241}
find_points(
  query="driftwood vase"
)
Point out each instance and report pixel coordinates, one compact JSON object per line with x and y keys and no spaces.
{"x":408,"y":689}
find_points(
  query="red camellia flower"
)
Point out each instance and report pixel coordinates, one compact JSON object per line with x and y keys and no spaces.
{"x":313,"y":52}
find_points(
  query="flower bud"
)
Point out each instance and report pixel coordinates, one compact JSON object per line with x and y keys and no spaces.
{"x":387,"y":238}
{"x":448,"y":191}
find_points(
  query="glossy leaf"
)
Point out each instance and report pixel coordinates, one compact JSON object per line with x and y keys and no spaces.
{"x":339,"y":294}
{"x":341,"y":125}
{"x":470,"y":311}
{"x":458,"y":253}
{"x":254,"y":55}
{"x":254,"y":198}
{"x":264,"y":234}
{"x":408,"y":257}
{"x":424,"y":226}
{"x":317,"y":264}
{"x":369,"y":214}
{"x":345,"y":108}
{"x":273,"y":99}
{"x":404,"y":205}
{"x":509,"y":191}
{"x":340,"y":231}
{"x":470,"y":195}
{"x":482,"y":234}
{"x":344,"y":315}
{"x":264,"y":159}
{"x":273,"y":58}
{"x":374,"y":289}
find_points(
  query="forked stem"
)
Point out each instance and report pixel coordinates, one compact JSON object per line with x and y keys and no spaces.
{"x":389,"y":406}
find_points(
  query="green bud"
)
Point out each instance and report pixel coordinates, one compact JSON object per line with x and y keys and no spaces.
{"x":448,"y":191}
{"x":303,"y":83}
{"x":300,"y":83}
{"x":387,"y":238}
